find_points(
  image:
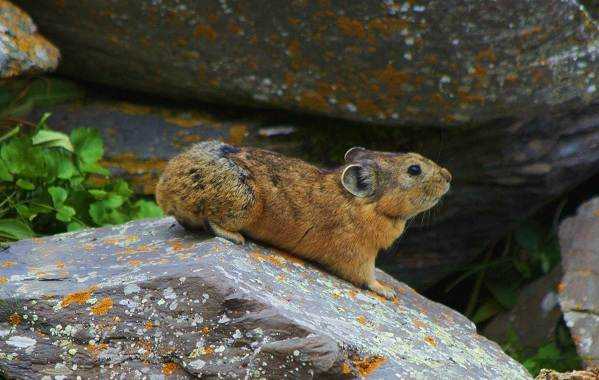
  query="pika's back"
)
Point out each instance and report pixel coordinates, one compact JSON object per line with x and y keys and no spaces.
{"x":193,"y":181}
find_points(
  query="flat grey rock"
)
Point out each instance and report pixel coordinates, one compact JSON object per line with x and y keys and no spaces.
{"x":579,"y":295}
{"x":436,"y":62}
{"x":147,"y":299}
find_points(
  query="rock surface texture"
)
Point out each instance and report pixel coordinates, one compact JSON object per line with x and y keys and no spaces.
{"x":147,"y":298}
{"x":390,"y":62}
{"x":579,"y":296}
{"x":22,"y":49}
{"x":503,"y":171}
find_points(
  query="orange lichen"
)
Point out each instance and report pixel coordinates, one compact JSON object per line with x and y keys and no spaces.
{"x":135,"y":263}
{"x":369,"y":364}
{"x":393,"y":78}
{"x":367,"y":107}
{"x":418,"y":324}
{"x":205,"y":330}
{"x":149,"y":325}
{"x":351,"y":28}
{"x":15,"y":319}
{"x":352,"y":294}
{"x":234,"y":28}
{"x":345,"y":368}
{"x":388,"y":25}
{"x":169,"y":368}
{"x":60,"y":264}
{"x":511,"y":77}
{"x":205,"y":31}
{"x":178,"y":245}
{"x":8,"y":264}
{"x":312,"y":100}
{"x":102,"y":306}
{"x":142,"y":248}
{"x":487,"y":54}
{"x":94,"y":349}
{"x":294,"y":21}
{"x":361,"y":319}
{"x":116,"y":240}
{"x":78,"y":297}
{"x":273,"y":259}
{"x":130,"y":163}
{"x":430,"y":341}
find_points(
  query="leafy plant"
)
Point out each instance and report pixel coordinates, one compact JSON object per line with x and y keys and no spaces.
{"x":558,"y":354}
{"x":45,"y":184}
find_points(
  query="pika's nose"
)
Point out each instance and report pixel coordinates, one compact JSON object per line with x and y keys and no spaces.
{"x":446,"y":174}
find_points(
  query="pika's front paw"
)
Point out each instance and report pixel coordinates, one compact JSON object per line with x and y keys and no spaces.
{"x":382,"y":290}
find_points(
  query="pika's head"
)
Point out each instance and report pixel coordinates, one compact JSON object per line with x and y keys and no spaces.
{"x":401,"y":185}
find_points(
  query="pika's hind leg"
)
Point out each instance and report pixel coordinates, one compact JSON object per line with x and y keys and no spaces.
{"x":219,"y":231}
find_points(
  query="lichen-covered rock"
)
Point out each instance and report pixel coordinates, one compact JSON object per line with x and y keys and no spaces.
{"x":389,"y":62}
{"x":588,"y":374}
{"x":22,"y":49}
{"x":579,"y":296}
{"x":503,"y":171}
{"x":146,"y":299}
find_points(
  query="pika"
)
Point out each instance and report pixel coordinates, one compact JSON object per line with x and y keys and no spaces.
{"x":339,"y":218}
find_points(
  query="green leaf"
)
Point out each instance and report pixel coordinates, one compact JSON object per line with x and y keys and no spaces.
{"x":113,"y":201}
{"x":5,"y":173}
{"x":43,"y":120}
{"x":65,"y":213}
{"x":15,"y":229}
{"x":10,"y":134}
{"x":88,"y":144}
{"x":58,"y":194}
{"x":25,"y":185}
{"x":97,"y":211}
{"x":49,"y":138}
{"x":147,"y":209}
{"x":121,"y":187}
{"x":98,"y":194}
{"x":93,"y":168}
{"x":66,"y":169}
{"x":75,"y":226}
{"x":528,"y":236}
{"x":486,"y":311}
{"x":76,"y":182}
{"x":14,"y":154}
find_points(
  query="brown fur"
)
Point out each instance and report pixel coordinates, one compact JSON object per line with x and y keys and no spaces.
{"x":300,"y":208}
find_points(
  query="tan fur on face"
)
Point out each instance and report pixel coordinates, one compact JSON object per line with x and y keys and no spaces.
{"x":300,"y":208}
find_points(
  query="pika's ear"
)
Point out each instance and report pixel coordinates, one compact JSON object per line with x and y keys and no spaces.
{"x":352,"y":153}
{"x":359,"y":180}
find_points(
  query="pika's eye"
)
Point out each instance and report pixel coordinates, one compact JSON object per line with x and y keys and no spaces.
{"x":414,"y":170}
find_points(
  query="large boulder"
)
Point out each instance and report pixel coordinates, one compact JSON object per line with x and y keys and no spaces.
{"x":147,"y":299}
{"x":390,"y":62}
{"x":503,"y":171}
{"x":579,"y":295}
{"x":22,"y":49}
